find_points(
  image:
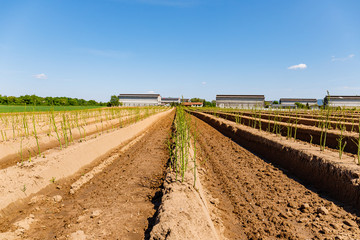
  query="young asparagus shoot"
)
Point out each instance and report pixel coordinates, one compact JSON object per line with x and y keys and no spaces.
{"x":357,"y":143}
{"x":341,"y":143}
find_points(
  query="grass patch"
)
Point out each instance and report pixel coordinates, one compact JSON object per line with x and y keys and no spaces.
{"x":17,"y":108}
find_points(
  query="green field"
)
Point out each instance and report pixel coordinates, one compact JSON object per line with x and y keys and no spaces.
{"x":16,"y":108}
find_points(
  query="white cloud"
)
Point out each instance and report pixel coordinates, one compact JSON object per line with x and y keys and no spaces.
{"x":151,"y":91}
{"x":40,"y":76}
{"x":333,"y":58}
{"x":203,"y":83}
{"x":299,"y":66}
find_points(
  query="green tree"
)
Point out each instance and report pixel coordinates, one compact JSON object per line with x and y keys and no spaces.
{"x":72,"y":101}
{"x":300,"y":105}
{"x":92,"y":103}
{"x":11,"y":100}
{"x":209,"y":104}
{"x":197,"y":100}
{"x":114,"y":101}
{"x":49,"y":101}
{"x":32,"y":100}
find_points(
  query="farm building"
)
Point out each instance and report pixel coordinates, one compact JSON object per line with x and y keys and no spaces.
{"x":290,"y":102}
{"x":136,"y":100}
{"x":192,"y":104}
{"x":343,"y":101}
{"x":240,"y":101}
{"x":169,"y":101}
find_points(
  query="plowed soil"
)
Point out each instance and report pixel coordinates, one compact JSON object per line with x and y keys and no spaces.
{"x":247,"y":196}
{"x":9,"y":150}
{"x":256,"y":200}
{"x":307,"y":133}
{"x":118,"y":203}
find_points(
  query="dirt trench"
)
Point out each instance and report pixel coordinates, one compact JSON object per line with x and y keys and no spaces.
{"x":50,"y":142}
{"x":256,"y":200}
{"x":118,"y":203}
{"x":312,"y":120}
{"x":305,"y":133}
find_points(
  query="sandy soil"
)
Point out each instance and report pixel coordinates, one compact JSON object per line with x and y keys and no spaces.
{"x":130,"y":194}
{"x":18,"y":182}
{"x":257,"y":200}
{"x":304,"y":132}
{"x":312,"y":114}
{"x":324,"y":169}
{"x":184,"y":210}
{"x":13,"y":128}
{"x":15,"y":150}
{"x":123,"y":194}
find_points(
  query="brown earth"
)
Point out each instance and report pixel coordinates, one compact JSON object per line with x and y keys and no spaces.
{"x":288,"y":117}
{"x":305,"y":133}
{"x":337,"y":176}
{"x":10,"y":150}
{"x":118,"y":203}
{"x":349,"y":117}
{"x":248,"y":198}
{"x":257,"y":200}
{"x":19,"y":181}
{"x":184,"y":212}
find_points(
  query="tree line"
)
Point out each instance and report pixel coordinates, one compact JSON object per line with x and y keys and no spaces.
{"x":48,"y":101}
{"x":205,"y":103}
{"x":66,"y":101}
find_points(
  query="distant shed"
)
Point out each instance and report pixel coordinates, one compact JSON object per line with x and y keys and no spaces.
{"x":192,"y":104}
{"x":240,"y":101}
{"x":343,"y":101}
{"x":170,"y":100}
{"x":310,"y":101}
{"x":138,"y":100}
{"x":290,"y":102}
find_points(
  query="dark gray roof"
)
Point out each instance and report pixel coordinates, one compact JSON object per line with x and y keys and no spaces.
{"x":139,"y":95}
{"x":240,"y":96}
{"x":298,"y":99}
{"x":344,"y":97}
{"x":170,"y":99}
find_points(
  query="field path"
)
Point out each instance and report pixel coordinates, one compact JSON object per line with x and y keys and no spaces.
{"x":256,"y":200}
{"x":117,"y":203}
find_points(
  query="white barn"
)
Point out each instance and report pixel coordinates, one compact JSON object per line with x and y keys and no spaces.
{"x":170,"y":100}
{"x":343,"y":101}
{"x":138,"y":100}
{"x":240,"y":101}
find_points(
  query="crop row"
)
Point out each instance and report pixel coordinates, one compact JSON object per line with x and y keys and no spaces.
{"x":335,"y":115}
{"x":65,"y":127}
{"x":182,"y":146}
{"x":13,"y":126}
{"x":321,"y":135}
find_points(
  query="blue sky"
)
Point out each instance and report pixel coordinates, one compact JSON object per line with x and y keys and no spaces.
{"x":196,"y":48}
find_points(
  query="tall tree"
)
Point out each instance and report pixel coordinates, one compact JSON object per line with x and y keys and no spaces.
{"x":114,"y":101}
